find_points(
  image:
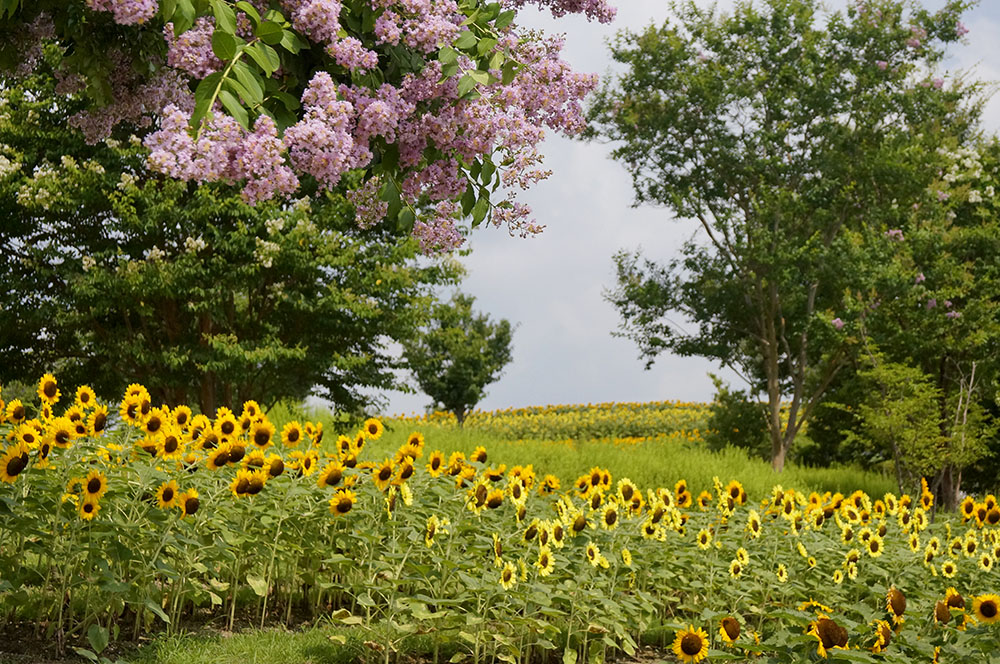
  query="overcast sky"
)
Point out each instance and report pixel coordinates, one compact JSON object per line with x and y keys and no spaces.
{"x":552,"y":285}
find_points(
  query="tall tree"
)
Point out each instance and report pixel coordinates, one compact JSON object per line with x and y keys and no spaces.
{"x":114,"y":274}
{"x":790,"y":141}
{"x":458,"y":354}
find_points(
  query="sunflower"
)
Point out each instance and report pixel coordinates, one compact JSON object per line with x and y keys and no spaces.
{"x":949,"y":568}
{"x":85,"y":397}
{"x":405,"y":470}
{"x":478,"y":455}
{"x":838,"y":576}
{"x":626,"y":557}
{"x":829,"y":634}
{"x":48,"y":390}
{"x":188,"y":502}
{"x":954,"y":599}
{"x":372,"y":428}
{"x":969,"y":546}
{"x":169,"y":445}
{"x":226,"y":424}
{"x":736,"y":569}
{"x":218,"y":457}
{"x":156,"y":421}
{"x":549,"y":485}
{"x":729,"y":629}
{"x":743,"y":556}
{"x":986,"y":608}
{"x":275,"y":465}
{"x":240,"y":485}
{"x":494,"y":498}
{"x":895,"y":604}
{"x":609,"y":519}
{"x":508,"y":575}
{"x":61,"y":432}
{"x":883,"y":635}
{"x":167,"y":495}
{"x":12,"y":463}
{"x":782,"y":573}
{"x":593,"y":554}
{"x":16,"y":412}
{"x":985,"y":562}
{"x":735,"y":491}
{"x":704,"y":538}
{"x":307,"y":462}
{"x":874,"y":546}
{"x":545,"y":562}
{"x":382,"y":473}
{"x":95,"y":484}
{"x":331,"y":475}
{"x":88,"y":508}
{"x":416,"y":440}
{"x":261,"y":433}
{"x":691,"y":645}
{"x":342,"y":502}
{"x":435,"y":463}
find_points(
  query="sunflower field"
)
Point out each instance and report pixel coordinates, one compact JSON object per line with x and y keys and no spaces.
{"x":125,"y":519}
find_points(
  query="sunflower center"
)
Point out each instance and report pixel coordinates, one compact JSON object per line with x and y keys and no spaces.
{"x":435,"y":463}
{"x":17,"y":413}
{"x":261,"y":438}
{"x":831,"y":634}
{"x":242,"y":486}
{"x":15,"y":466}
{"x":94,"y":485}
{"x":49,"y":389}
{"x":191,"y":505}
{"x":732,"y":627}
{"x":406,"y":472}
{"x":691,"y":644}
{"x":344,"y":505}
{"x":277,"y":468}
{"x":611,"y":517}
{"x":168,"y":494}
{"x":293,"y":435}
{"x":170,"y":445}
{"x":988,"y":609}
{"x":236,"y":453}
{"x":384,"y":473}
{"x":333,"y":477}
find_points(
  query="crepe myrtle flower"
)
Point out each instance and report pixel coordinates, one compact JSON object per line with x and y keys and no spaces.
{"x":895,"y":234}
{"x":931,"y":303}
{"x":920,"y":278}
{"x":837,"y":323}
{"x":953,"y":315}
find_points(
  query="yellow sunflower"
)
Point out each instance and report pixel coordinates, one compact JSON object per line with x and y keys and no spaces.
{"x":331,"y":475}
{"x":373,"y":428}
{"x":48,"y":390}
{"x":895,"y":604}
{"x":169,"y":445}
{"x":435,"y":463}
{"x":97,"y":422}
{"x":829,"y":634}
{"x":226,"y":425}
{"x":95,"y":484}
{"x":12,"y":463}
{"x":986,"y":608}
{"x":167,"y":495}
{"x":291,"y":435}
{"x":508,"y":575}
{"x":691,"y":645}
{"x":188,"y":502}
{"x":16,"y":412}
{"x":240,"y":486}
{"x":85,"y":397}
{"x":88,"y":508}
{"x":545,"y":562}
{"x":729,"y":629}
{"x":382,"y":474}
{"x":261,"y":432}
{"x":478,"y":455}
{"x":342,"y":502}
{"x":275,"y":465}
{"x":883,"y":635}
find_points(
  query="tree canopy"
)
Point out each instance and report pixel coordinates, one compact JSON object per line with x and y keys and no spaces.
{"x":458,"y":354}
{"x":114,"y":274}
{"x":796,"y":141}
{"x":431,"y":105}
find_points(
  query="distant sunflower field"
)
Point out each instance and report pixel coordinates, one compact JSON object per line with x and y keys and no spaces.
{"x":121,"y":519}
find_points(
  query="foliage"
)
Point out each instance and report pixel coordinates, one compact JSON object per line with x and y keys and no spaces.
{"x":431,"y":106}
{"x":458,"y":354}
{"x":487,"y":564}
{"x":790,"y":142}
{"x":737,"y":419}
{"x":190,"y":291}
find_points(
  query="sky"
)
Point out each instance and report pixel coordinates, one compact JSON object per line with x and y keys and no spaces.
{"x":551,"y":286}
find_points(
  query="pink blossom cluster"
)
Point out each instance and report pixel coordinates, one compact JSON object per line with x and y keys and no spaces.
{"x":191,"y":51}
{"x":917,"y":35}
{"x":599,"y":10}
{"x":127,"y":12}
{"x":342,"y":121}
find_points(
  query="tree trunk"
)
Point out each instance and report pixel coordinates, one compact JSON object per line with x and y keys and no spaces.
{"x":460,"y":416}
{"x":951,"y":486}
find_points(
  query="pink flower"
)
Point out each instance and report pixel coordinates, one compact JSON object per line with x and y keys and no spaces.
{"x":920,"y":278}
{"x":882,"y":64}
{"x":837,"y":323}
{"x":931,"y":303}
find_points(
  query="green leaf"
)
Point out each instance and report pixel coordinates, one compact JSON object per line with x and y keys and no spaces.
{"x":569,"y":656}
{"x":481,"y":208}
{"x":204,"y":97}
{"x":158,"y":610}
{"x":98,"y":637}
{"x":509,"y":72}
{"x":235,"y":108}
{"x":225,"y":17}
{"x":291,"y":42}
{"x":489,"y":168}
{"x":87,"y":654}
{"x":447,"y":55}
{"x":504,"y":19}
{"x":223,"y":45}
{"x":257,"y":584}
{"x":265,"y":57}
{"x":485,"y":45}
{"x":449,"y":70}
{"x":405,"y":221}
{"x":184,"y":16}
{"x":466,"y":40}
{"x":249,"y":10}
{"x":270,"y":33}
{"x":251,"y":83}
{"x":465,"y":85}
{"x":481,"y":77}
{"x":167,"y":9}
{"x":469,"y":201}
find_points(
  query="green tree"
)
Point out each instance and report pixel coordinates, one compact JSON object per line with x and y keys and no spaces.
{"x":458,"y":354}
{"x":113,"y":274}
{"x":792,"y":143}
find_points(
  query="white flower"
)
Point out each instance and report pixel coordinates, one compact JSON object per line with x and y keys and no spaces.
{"x":88,"y":262}
{"x":989,"y":191}
{"x":68,"y":161}
{"x":274,"y":225}
{"x":126,"y":181}
{"x":194,"y":245}
{"x":7,"y":166}
{"x":975,"y":196}
{"x":155,"y":254}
